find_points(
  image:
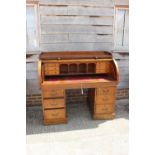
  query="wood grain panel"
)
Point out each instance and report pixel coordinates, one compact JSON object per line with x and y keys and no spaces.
{"x":53,"y":10}
{"x":106,"y":91}
{"x":54,"y":114}
{"x":124,"y":84}
{"x":105,"y":3}
{"x":90,"y":38}
{"x":64,"y":38}
{"x":54,"y":38}
{"x":32,"y":66}
{"x":48,"y":29}
{"x":53,"y":103}
{"x":76,"y":46}
{"x":32,"y":75}
{"x":74,"y":20}
{"x":32,"y":58}
{"x":104,"y":108}
{"x":75,"y":10}
{"x":123,"y":63}
{"x":105,"y":99}
{"x":121,"y":2}
{"x":126,"y":29}
{"x":53,"y":93}
{"x":32,"y":86}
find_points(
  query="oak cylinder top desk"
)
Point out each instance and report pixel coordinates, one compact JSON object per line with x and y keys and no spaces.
{"x":58,"y":71}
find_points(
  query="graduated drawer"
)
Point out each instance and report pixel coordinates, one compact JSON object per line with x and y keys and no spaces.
{"x":53,"y":103}
{"x":106,"y":91}
{"x":101,"y":99}
{"x":104,"y":108}
{"x":53,"y":93}
{"x":54,"y":114}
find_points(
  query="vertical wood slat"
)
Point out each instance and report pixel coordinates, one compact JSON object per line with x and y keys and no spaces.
{"x":119,"y":27}
{"x":126,"y":29}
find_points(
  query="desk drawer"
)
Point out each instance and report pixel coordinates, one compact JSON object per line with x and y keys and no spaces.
{"x":53,"y":103}
{"x":101,"y":99}
{"x":104,"y":108}
{"x":53,"y":93}
{"x":54,"y":114}
{"x":48,"y":65}
{"x":51,"y":69}
{"x":103,"y":67}
{"x":106,"y":91}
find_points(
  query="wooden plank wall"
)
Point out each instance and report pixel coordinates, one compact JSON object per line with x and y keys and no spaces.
{"x":75,"y":25}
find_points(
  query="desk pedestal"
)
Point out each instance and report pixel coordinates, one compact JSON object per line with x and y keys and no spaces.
{"x":101,"y":100}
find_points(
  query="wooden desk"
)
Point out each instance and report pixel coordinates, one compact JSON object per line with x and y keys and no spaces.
{"x":59,"y":71}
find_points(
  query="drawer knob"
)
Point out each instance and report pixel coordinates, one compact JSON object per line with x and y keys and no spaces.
{"x":105,"y":98}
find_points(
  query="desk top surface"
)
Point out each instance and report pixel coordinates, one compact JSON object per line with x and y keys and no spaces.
{"x":78,"y":79}
{"x":78,"y":82}
{"x":75,"y":55}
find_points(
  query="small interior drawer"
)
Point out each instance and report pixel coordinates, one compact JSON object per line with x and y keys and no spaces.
{"x":51,"y":69}
{"x":54,"y":114}
{"x":53,"y":93}
{"x":51,"y":65}
{"x":53,"y":103}
{"x":103,"y":67}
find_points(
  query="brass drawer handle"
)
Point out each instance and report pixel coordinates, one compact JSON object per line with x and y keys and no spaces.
{"x":105,"y":90}
{"x":105,"y":109}
{"x":56,"y":114}
{"x":53,"y":104}
{"x":105,"y":99}
{"x":53,"y":93}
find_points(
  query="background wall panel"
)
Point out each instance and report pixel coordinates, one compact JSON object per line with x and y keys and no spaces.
{"x":76,"y":25}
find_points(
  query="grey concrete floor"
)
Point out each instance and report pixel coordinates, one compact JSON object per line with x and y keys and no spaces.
{"x":81,"y":135}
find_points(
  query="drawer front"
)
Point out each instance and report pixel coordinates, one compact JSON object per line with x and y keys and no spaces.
{"x":53,"y":93}
{"x":101,"y":99}
{"x":51,"y":69}
{"x":104,"y":108}
{"x":54,"y":114}
{"x":106,"y":91}
{"x":47,"y":65}
{"x":103,"y":67}
{"x":100,"y":71}
{"x":54,"y":103}
{"x":51,"y":72}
